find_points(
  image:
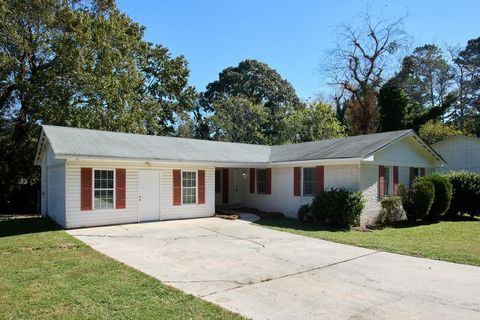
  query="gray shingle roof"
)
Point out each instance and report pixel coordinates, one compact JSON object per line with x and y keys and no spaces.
{"x":349,"y":147}
{"x":104,"y":144}
{"x":95,"y":143}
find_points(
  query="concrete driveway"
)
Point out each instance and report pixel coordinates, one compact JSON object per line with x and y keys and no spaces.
{"x":266,"y":274}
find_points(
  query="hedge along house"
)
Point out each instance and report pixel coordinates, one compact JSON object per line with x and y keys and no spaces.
{"x":91,"y":177}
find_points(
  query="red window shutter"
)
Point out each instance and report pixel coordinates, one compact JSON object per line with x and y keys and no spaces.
{"x":268,"y":181}
{"x":395,"y":180}
{"x":412,"y":175}
{"x":422,"y":172}
{"x":201,"y":186}
{"x":225,"y":185}
{"x":320,"y":175}
{"x":252,"y":180}
{"x":86,"y":189}
{"x":120,"y":188}
{"x":381,"y":181}
{"x":177,"y":187}
{"x":296,"y":181}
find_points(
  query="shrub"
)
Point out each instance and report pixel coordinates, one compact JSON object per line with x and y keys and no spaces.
{"x":391,"y":210}
{"x":423,"y":195}
{"x":417,"y":200}
{"x":304,"y":213}
{"x":406,"y":194}
{"x":443,"y":194}
{"x":466,"y":193}
{"x":340,"y":207}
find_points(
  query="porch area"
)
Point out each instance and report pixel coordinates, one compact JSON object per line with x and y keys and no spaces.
{"x":231,"y":188}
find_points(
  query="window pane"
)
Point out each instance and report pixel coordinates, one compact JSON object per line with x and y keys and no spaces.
{"x":97,"y":199}
{"x":261,"y":180}
{"x":189,"y":190}
{"x":309,"y":183}
{"x":260,"y":175}
{"x":387,"y":181}
{"x":103,"y":189}
{"x":261,"y":187}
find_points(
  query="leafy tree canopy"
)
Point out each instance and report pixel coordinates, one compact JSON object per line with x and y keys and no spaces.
{"x":394,"y":108}
{"x":316,"y":121}
{"x":82,"y":64}
{"x":260,"y":84}
{"x":466,"y":110}
{"x":435,"y":131}
{"x":419,"y":92}
{"x":426,"y":76}
{"x":238,"y":119}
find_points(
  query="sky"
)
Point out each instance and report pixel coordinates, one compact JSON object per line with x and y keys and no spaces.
{"x":290,"y":36}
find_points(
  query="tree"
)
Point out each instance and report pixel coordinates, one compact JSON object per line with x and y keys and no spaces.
{"x":237,"y":119}
{"x":357,"y":65}
{"x":419,"y":92}
{"x":260,"y":84}
{"x":394,"y":108}
{"x":79,"y":64}
{"x":316,"y":121}
{"x":435,"y":131}
{"x":426,"y":77}
{"x":466,"y":110}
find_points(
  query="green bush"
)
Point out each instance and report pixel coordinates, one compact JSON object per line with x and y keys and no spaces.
{"x":417,"y":200}
{"x":466,"y":193}
{"x":406,"y":194}
{"x":340,"y":207}
{"x":443,"y":194}
{"x":423,"y":195}
{"x":305,"y":213}
{"x":391,"y":210}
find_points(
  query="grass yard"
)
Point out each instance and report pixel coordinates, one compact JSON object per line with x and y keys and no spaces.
{"x":454,"y":241}
{"x":46,"y":274}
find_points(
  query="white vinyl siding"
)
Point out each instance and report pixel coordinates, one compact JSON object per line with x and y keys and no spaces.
{"x":461,"y":153}
{"x":282,"y":198}
{"x":55,"y":188}
{"x":168,"y":211}
{"x":77,"y":218}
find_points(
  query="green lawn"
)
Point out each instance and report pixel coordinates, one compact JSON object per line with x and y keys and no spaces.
{"x":46,"y":273}
{"x":455,"y":241}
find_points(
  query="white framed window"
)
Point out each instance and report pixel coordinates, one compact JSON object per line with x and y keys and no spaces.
{"x":103,"y":188}
{"x":261,"y":183}
{"x":309,"y":182}
{"x":388,"y":184}
{"x":189,"y":187}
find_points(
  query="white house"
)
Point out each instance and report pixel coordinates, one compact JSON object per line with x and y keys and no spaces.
{"x":461,"y":153}
{"x":92,"y":178}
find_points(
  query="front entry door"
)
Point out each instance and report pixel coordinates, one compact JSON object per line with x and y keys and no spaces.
{"x":148,"y":195}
